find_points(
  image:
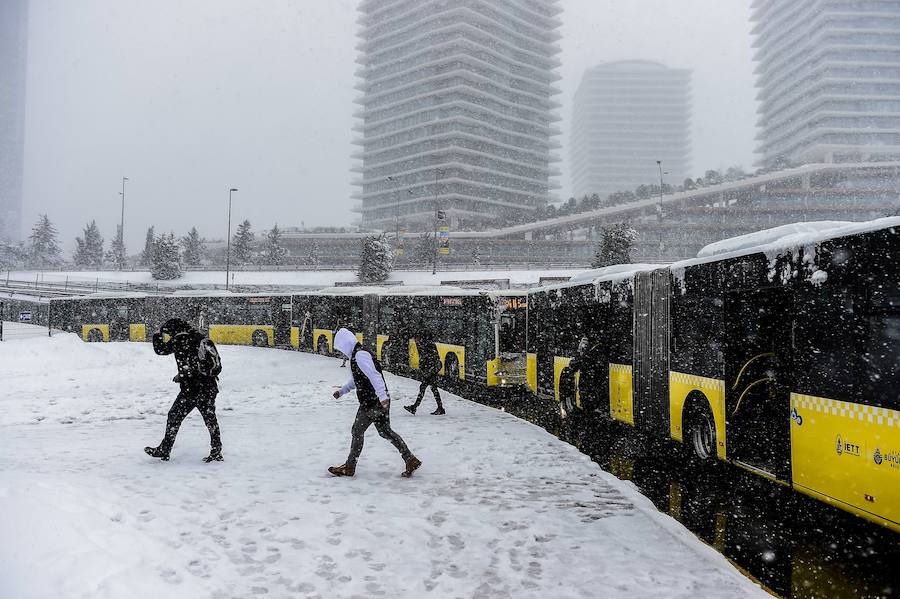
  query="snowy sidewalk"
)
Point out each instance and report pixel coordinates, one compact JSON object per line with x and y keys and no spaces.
{"x":499,"y":509}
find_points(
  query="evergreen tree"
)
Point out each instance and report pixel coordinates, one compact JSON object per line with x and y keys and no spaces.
{"x":423,"y":249}
{"x":166,"y":258}
{"x":192,"y":244}
{"x":614,"y":247}
{"x":89,"y":249}
{"x":242,"y":244}
{"x":376,"y":261}
{"x":117,"y":254}
{"x":713,"y":177}
{"x":149,"y":245}
{"x":273,"y":252}
{"x":44,"y":249}
{"x":315,"y":255}
{"x":12,"y":255}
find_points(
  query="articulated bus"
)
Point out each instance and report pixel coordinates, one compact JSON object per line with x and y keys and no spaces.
{"x":105,"y":317}
{"x":318,"y":315}
{"x":260,"y":320}
{"x":479,"y":334}
{"x":778,"y":352}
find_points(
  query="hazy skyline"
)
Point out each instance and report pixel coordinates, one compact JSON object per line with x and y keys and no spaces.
{"x":190,"y":99}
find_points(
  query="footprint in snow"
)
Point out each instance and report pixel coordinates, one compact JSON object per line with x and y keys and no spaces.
{"x":170,"y":576}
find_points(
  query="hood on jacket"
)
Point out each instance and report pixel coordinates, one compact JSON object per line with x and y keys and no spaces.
{"x":173,"y":326}
{"x":345,"y":341}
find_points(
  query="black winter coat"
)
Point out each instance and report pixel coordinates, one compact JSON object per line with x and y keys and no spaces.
{"x":186,"y":347}
{"x":429,"y":358}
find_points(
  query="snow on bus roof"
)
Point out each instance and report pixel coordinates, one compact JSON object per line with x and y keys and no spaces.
{"x":772,"y":241}
{"x":617,"y":272}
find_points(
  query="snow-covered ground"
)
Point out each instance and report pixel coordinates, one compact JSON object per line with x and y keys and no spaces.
{"x":499,"y":509}
{"x":324,"y":278}
{"x":17,"y":330}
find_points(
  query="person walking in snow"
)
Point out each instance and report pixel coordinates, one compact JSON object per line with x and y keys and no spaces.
{"x":374,"y":405}
{"x":198,"y":368}
{"x":430,"y":367}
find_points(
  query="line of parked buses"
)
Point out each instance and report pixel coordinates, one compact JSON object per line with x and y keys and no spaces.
{"x":780,"y":356}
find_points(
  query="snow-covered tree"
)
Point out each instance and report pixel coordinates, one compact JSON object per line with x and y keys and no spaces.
{"x":615,"y":245}
{"x":192,"y":244}
{"x":713,"y":177}
{"x":422,"y":251}
{"x":149,"y":245}
{"x":315,"y":255}
{"x":89,"y":249}
{"x":117,"y":254}
{"x":44,"y":244}
{"x":12,"y":255}
{"x":377,"y":259}
{"x":242,"y":244}
{"x":166,"y":258}
{"x":273,"y":252}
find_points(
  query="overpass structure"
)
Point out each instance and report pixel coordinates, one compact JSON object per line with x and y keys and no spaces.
{"x":670,"y":227}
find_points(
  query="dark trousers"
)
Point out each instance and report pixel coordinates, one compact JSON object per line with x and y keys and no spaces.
{"x":381,"y":418}
{"x":429,"y":380}
{"x":184,"y":403}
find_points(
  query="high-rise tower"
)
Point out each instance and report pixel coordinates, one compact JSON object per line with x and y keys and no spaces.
{"x":626,"y":116}
{"x":13,"y":54}
{"x":457,"y":109}
{"x":829,"y":80}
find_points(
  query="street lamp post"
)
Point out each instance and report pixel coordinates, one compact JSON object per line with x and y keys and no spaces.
{"x":659,"y":213}
{"x":228,"y":241}
{"x":122,"y":222}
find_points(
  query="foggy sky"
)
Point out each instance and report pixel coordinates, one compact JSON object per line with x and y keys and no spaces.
{"x":190,"y":98}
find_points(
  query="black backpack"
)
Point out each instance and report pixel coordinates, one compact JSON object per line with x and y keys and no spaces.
{"x":208,"y":359}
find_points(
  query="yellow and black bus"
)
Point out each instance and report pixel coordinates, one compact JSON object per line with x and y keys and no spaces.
{"x":778,"y":352}
{"x":260,"y":320}
{"x":105,"y":317}
{"x":479,"y":335}
{"x":317,"y":315}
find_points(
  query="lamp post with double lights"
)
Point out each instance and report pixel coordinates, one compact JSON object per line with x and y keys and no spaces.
{"x":228,"y":241}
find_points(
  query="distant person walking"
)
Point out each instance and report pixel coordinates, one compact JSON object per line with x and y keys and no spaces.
{"x":198,"y":369}
{"x":430,"y":368}
{"x":374,"y":405}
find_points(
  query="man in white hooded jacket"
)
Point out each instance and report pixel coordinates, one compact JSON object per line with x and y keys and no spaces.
{"x":374,"y":405}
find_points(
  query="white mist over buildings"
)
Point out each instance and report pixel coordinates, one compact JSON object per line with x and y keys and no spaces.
{"x":457,"y":110}
{"x":628,"y":115}
{"x":13,"y":53}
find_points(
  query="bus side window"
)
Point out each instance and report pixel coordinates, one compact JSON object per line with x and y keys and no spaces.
{"x":828,"y":338}
{"x":880,"y":368}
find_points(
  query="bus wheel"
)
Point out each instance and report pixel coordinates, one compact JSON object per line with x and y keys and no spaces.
{"x":95,"y":336}
{"x":322,"y":347}
{"x":700,"y":433}
{"x":451,"y":367}
{"x":260,"y":339}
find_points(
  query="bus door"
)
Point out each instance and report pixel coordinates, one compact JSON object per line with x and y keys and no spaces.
{"x":758,"y":329}
{"x":119,"y":321}
{"x":652,"y":294}
{"x":281,"y":320}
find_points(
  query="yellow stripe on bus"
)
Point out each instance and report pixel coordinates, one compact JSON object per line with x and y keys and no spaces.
{"x":847,"y":454}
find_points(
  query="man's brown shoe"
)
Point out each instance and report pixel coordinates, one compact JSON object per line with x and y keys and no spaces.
{"x":412,"y":464}
{"x":342,"y":470}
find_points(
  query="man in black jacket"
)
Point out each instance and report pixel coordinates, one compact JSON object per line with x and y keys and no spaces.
{"x":374,"y":405}
{"x":430,"y":367}
{"x":198,"y":387}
